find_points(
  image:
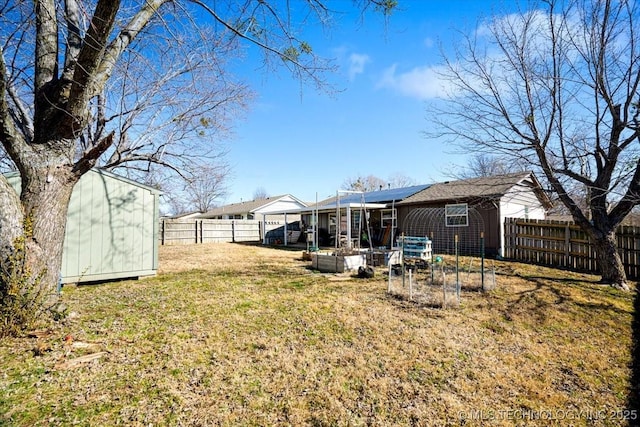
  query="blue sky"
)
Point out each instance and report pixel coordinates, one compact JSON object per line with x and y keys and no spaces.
{"x":300,"y":141}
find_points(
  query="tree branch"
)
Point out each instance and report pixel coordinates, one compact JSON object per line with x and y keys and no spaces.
{"x":90,"y":156}
{"x":12,"y":141}
{"x":74,"y":39}
{"x":22,"y":116}
{"x":243,"y":35}
{"x":91,"y":53}
{"x":123,"y":40}
{"x":629,"y":200}
{"x":46,"y":43}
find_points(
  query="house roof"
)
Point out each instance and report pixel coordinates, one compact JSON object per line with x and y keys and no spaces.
{"x":482,"y":188}
{"x":249,"y":206}
{"x":183,"y":215}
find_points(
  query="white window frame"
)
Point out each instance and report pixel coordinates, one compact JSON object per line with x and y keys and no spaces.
{"x":332,"y":224}
{"x":389,"y":215}
{"x":355,"y":219}
{"x":456,"y":215}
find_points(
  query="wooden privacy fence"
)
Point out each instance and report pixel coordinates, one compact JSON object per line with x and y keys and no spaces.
{"x":564,"y":245}
{"x":184,"y":232}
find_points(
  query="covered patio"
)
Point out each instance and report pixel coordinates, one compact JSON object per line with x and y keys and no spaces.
{"x":334,"y":224}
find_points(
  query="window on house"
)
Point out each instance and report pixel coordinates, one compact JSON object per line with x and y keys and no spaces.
{"x":457,"y":215}
{"x":355,"y":221}
{"x":332,"y":224}
{"x":388,"y":217}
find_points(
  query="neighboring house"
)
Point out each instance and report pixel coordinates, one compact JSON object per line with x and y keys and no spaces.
{"x":257,"y":209}
{"x":111,"y":231}
{"x":472,"y":209}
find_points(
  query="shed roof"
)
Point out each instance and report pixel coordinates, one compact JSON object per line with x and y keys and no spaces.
{"x":103,"y":172}
{"x":127,"y":180}
{"x":482,"y":188}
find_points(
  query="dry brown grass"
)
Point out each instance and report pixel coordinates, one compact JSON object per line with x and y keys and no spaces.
{"x":245,"y":335}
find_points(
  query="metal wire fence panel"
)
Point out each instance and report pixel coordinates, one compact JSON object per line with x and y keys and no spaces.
{"x":441,"y":283}
{"x":431,"y":222}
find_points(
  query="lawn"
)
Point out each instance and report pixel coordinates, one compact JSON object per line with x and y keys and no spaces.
{"x":245,"y":335}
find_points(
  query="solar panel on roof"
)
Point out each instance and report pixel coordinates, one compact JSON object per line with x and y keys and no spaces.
{"x":379,"y":196}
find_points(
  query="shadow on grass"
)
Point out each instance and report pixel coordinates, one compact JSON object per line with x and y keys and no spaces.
{"x":633,"y":402}
{"x":533,"y":301}
{"x":554,"y":286}
{"x":545,"y":283}
{"x":401,"y":302}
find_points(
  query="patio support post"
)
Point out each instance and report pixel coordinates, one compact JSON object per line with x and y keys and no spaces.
{"x":264,"y":229}
{"x":285,"y":240}
{"x":348,"y":209}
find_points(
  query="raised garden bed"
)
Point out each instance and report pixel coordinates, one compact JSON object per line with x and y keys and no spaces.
{"x":330,"y":263}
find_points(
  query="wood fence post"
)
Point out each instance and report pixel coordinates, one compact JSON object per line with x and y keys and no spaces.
{"x":233,"y":231}
{"x":567,"y":245}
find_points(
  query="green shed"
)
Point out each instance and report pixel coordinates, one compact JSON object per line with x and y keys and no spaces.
{"x":112,"y":229}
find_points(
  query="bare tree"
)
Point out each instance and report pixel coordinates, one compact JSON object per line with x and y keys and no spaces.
{"x":203,"y":188}
{"x":557,"y":87}
{"x":374,"y":183}
{"x":364,"y":183}
{"x":61,"y":63}
{"x":170,"y":112}
{"x":399,"y":180}
{"x":260,"y":193}
{"x":484,"y":165}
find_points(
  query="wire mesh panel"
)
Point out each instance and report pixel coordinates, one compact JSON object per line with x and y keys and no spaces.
{"x":431,"y":222}
{"x":431,"y":287}
{"x":442,"y":282}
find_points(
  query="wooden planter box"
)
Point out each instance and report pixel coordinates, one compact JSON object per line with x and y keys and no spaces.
{"x":383,"y":257}
{"x":328,"y":263}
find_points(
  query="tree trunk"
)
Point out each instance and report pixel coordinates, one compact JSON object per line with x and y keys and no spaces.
{"x":11,"y":217}
{"x":46,"y":191}
{"x":609,"y":261}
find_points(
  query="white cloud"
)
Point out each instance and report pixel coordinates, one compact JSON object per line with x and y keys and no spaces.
{"x":357,"y":62}
{"x":419,"y":82}
{"x":428,"y":42}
